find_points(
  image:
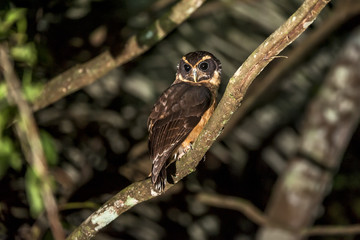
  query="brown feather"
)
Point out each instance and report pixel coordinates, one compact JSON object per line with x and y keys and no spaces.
{"x":176,"y":113}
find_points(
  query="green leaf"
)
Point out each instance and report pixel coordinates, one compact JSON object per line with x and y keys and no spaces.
{"x":4,"y":117}
{"x":14,"y":15}
{"x":11,"y":17}
{"x":31,"y":90}
{"x":8,"y":156}
{"x":3,"y":90}
{"x":25,"y":53}
{"x":49,"y":148}
{"x":21,"y":25}
{"x":15,"y":161}
{"x":33,"y":191}
{"x":7,"y":114}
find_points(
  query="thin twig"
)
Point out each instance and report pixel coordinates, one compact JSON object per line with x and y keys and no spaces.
{"x":30,"y":141}
{"x":331,"y":230}
{"x":234,"y":203}
{"x":234,"y":93}
{"x":257,"y":216}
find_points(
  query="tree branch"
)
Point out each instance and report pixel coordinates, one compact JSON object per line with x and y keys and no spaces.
{"x":234,"y":93}
{"x":234,"y":203}
{"x":342,"y":12}
{"x":29,"y":138}
{"x":257,"y":216}
{"x":84,"y":74}
{"x":332,"y":230}
{"x":327,"y":129}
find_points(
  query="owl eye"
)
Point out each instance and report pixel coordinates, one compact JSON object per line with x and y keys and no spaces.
{"x":187,"y":67}
{"x":203,"y":66}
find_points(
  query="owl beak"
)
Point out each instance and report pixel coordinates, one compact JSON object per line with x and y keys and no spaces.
{"x":195,"y":75}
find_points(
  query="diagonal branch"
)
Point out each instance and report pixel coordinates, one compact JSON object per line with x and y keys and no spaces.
{"x":84,"y":74}
{"x":30,"y":142}
{"x":342,"y":12}
{"x":326,"y":131}
{"x":234,"y":93}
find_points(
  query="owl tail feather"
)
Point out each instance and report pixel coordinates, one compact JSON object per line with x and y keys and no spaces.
{"x":159,"y":181}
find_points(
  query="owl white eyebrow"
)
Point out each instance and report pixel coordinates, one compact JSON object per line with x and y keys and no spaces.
{"x":184,"y":59}
{"x":203,"y":59}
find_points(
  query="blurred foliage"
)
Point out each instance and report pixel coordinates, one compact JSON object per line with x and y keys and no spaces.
{"x":13,"y":28}
{"x":9,"y":154}
{"x":31,"y":90}
{"x":49,"y":148}
{"x":33,"y":190}
{"x":13,"y":24}
{"x":96,"y":139}
{"x":9,"y":157}
{"x":14,"y":33}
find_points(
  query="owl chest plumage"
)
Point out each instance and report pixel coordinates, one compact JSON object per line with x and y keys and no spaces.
{"x":176,"y":120}
{"x":193,"y":135}
{"x":176,"y":115}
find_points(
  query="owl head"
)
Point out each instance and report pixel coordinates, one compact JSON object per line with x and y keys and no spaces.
{"x":199,"y":66}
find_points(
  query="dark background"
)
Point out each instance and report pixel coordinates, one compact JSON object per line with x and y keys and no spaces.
{"x":100,"y":131}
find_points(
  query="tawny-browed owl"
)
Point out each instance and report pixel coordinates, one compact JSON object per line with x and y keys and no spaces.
{"x":182,"y":111}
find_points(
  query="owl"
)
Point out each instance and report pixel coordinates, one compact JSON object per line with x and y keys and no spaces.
{"x":182,"y":111}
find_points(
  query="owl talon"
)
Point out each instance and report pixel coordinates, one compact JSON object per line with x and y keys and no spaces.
{"x":180,"y":155}
{"x":183,"y":150}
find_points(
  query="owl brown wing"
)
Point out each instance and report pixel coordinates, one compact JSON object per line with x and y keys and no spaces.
{"x":176,"y":113}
